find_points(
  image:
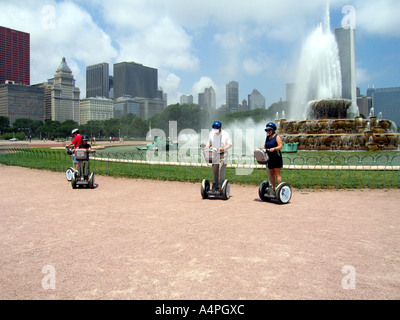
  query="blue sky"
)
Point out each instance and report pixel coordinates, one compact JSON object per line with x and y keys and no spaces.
{"x":197,"y":44}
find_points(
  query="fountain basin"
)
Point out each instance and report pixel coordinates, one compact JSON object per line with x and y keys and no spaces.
{"x":340,"y":134}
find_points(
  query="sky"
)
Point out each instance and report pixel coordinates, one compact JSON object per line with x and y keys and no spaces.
{"x":198,"y":44}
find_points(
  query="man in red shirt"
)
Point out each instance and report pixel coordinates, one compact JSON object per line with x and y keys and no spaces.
{"x":75,"y":142}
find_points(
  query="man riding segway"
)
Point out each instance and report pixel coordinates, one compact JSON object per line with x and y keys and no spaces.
{"x":219,"y":141}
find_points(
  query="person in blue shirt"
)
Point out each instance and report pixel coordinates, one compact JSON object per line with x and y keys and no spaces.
{"x":274,"y":144}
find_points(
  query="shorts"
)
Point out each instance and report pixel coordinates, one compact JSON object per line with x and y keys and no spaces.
{"x":74,"y":160}
{"x":275,"y":161}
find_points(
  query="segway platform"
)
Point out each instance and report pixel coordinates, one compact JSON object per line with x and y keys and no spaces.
{"x":221,"y":193}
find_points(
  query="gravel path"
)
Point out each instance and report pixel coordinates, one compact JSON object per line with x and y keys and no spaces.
{"x":141,"y":239}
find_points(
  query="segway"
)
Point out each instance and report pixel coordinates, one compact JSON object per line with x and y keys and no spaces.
{"x":283,"y":192}
{"x":70,"y":170}
{"x":83,"y":177}
{"x":223,"y":192}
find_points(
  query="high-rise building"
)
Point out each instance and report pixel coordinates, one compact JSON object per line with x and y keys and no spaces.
{"x":186,"y":99}
{"x":244,"y":106}
{"x":149,"y":107}
{"x":135,"y":80}
{"x":99,"y":108}
{"x":232,"y":96}
{"x":386,"y":101}
{"x":98,"y":80}
{"x":21,"y":101}
{"x":124,"y":105}
{"x":14,"y":56}
{"x":345,"y":38}
{"x":256,"y":100}
{"x":64,"y":95}
{"x":207,"y":100}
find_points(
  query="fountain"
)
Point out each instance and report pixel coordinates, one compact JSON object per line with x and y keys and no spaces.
{"x":331,"y":122}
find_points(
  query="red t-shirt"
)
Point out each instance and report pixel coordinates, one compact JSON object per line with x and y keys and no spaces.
{"x":77,"y":140}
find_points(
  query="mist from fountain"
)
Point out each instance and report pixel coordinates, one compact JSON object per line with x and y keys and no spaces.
{"x":318,"y":72}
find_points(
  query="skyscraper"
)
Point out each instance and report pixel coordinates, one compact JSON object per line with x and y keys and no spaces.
{"x":21,"y":101}
{"x":186,"y":99}
{"x":232,"y":96}
{"x":207,"y":100}
{"x":387,"y":101}
{"x":256,"y":100}
{"x":135,"y":80}
{"x":345,"y":38}
{"x":14,"y":56}
{"x":97,"y":80}
{"x":64,"y":95}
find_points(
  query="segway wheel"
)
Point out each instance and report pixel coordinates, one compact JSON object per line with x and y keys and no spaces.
{"x":205,"y":187}
{"x":283,"y":193}
{"x":91,"y":180}
{"x":226,"y":190}
{"x":69,"y":173}
{"x":262,"y":190}
{"x":73,"y":181}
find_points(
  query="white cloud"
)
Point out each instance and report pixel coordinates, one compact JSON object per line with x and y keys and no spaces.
{"x":379,"y":17}
{"x":207,"y":82}
{"x":58,"y":29}
{"x":164,"y":44}
{"x":224,"y":40}
{"x":170,"y":83}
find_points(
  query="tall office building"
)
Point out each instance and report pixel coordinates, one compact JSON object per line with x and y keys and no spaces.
{"x":98,"y":80}
{"x":149,"y":107}
{"x":232,"y":96}
{"x":64,"y":95}
{"x":124,"y":105}
{"x":14,"y":56}
{"x":256,"y":100}
{"x":135,"y":80}
{"x":186,"y":99}
{"x":99,"y":108}
{"x":21,"y":101}
{"x":207,"y":100}
{"x":345,"y":38}
{"x":387,"y":101}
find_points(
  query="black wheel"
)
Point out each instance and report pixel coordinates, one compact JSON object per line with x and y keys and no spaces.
{"x":283,"y":193}
{"x":262,"y":190}
{"x":91,"y":180}
{"x":68,"y":173}
{"x":205,"y":187}
{"x":226,"y":190}
{"x":73,"y":181}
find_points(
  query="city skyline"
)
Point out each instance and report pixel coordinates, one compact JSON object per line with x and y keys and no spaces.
{"x":198,"y":45}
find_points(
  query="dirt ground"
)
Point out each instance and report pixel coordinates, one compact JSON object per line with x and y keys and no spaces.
{"x":140,"y":239}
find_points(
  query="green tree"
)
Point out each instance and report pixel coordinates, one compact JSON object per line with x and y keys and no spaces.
{"x":187,"y":116}
{"x":138,"y":128}
{"x":4,"y":124}
{"x":111,"y":127}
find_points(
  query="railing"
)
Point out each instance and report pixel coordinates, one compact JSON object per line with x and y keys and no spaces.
{"x":337,"y":171}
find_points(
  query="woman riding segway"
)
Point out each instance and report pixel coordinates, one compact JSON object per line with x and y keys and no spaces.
{"x":271,"y":156}
{"x":273,"y":145}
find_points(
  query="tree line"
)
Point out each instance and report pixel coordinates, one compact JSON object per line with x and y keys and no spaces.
{"x":130,"y":126}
